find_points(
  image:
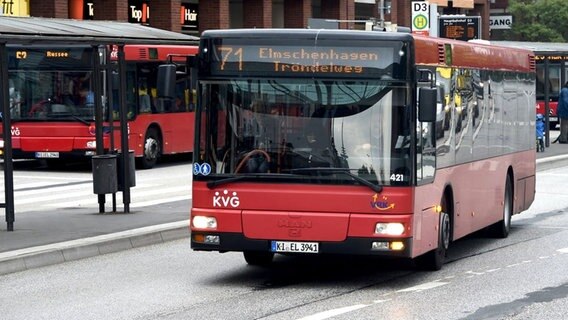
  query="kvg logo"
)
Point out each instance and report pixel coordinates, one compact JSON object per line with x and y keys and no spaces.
{"x":226,"y":199}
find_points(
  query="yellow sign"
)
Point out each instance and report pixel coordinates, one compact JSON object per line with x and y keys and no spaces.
{"x":15,"y":8}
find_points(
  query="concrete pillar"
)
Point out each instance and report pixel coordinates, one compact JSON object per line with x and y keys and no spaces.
{"x":340,"y":10}
{"x":297,"y":13}
{"x":213,"y":14}
{"x":165,"y":14}
{"x":116,"y":10}
{"x":257,"y":13}
{"x":49,"y":8}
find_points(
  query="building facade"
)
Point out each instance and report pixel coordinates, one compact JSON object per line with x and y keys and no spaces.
{"x":195,"y":16}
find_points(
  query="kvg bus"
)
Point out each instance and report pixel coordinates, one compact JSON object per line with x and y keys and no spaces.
{"x":52,"y":104}
{"x":328,"y":142}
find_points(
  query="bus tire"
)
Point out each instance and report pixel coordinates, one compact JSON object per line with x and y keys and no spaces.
{"x":258,"y":258}
{"x":502,"y":228}
{"x":434,"y":260}
{"x":152,"y":149}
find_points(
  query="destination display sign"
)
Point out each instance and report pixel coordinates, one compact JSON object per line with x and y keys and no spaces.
{"x":303,"y":60}
{"x":553,"y":57}
{"x":49,"y":57}
{"x":460,"y":28}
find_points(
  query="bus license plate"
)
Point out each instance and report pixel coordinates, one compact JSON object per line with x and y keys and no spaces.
{"x":289,"y":246}
{"x":47,"y":154}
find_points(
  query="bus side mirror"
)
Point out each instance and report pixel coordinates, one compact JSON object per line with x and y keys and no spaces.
{"x":166,"y":81}
{"x":427,"y":104}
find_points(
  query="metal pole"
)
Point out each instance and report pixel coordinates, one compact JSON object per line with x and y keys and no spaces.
{"x":124,"y":130}
{"x":382,"y":14}
{"x":109,"y":67}
{"x":98,"y":114}
{"x":433,"y":20}
{"x":546,"y":102}
{"x":7,"y":134}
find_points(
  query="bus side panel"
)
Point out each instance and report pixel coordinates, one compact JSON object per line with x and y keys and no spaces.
{"x":177,"y":132}
{"x":478,"y":189}
{"x":426,"y":219}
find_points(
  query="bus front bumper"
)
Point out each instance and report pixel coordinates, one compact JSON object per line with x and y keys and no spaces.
{"x":352,"y":246}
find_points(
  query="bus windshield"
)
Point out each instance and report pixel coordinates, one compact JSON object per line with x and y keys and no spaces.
{"x":306,"y":130}
{"x":48,"y":83}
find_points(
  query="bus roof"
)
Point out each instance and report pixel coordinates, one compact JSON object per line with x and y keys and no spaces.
{"x":428,"y":50}
{"x":26,"y":30}
{"x":473,"y":55}
{"x":306,"y":34}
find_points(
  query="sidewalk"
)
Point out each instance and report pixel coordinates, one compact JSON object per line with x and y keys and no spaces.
{"x":45,"y":238}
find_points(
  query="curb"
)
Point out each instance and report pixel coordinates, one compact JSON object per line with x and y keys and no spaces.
{"x":34,"y":257}
{"x":551,"y":162}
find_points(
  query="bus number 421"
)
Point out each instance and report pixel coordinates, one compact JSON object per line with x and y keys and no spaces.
{"x":397,"y":177}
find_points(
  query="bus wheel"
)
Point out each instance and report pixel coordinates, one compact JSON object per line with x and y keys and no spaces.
{"x":258,"y":258}
{"x":152,"y":149}
{"x":434,"y":260}
{"x":501,"y":229}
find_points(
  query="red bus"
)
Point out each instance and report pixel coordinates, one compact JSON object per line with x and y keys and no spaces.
{"x":52,"y":103}
{"x":325,"y":142}
{"x":552,"y":69}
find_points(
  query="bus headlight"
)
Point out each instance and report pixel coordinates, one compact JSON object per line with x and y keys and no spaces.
{"x":391,"y":229}
{"x":203,"y":222}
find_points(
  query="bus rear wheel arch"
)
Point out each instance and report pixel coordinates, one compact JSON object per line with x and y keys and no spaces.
{"x":502,"y":228}
{"x":151,"y":149}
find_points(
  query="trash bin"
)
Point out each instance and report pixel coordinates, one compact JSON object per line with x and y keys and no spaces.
{"x":132,"y":170}
{"x":104,"y":174}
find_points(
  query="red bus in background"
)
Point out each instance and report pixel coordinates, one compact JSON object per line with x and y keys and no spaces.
{"x":556,"y":77}
{"x":356,"y":142}
{"x":554,"y":57}
{"x":52,"y":104}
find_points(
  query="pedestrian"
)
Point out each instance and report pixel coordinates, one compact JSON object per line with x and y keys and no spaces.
{"x":539,"y":132}
{"x":562,"y":112}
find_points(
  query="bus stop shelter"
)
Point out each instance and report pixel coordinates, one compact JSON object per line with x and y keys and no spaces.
{"x":25,"y":31}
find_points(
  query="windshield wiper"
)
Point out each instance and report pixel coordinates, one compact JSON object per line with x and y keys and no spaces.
{"x":216,"y":183}
{"x":80,"y":120}
{"x":374,"y":187}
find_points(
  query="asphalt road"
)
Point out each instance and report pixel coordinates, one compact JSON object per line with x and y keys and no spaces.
{"x":521,"y":277}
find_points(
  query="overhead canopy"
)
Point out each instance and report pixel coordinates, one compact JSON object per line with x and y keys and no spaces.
{"x":24,"y":30}
{"x":536,"y":47}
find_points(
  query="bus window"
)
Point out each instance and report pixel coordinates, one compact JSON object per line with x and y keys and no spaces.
{"x":553,"y":80}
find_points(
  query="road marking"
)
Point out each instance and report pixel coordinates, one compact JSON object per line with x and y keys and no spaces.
{"x":47,"y":177}
{"x":21,"y":199}
{"x":418,"y":288}
{"x":334,"y":312}
{"x":381,"y":301}
{"x":133,"y":203}
{"x":159,"y":201}
{"x":424,"y":286}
